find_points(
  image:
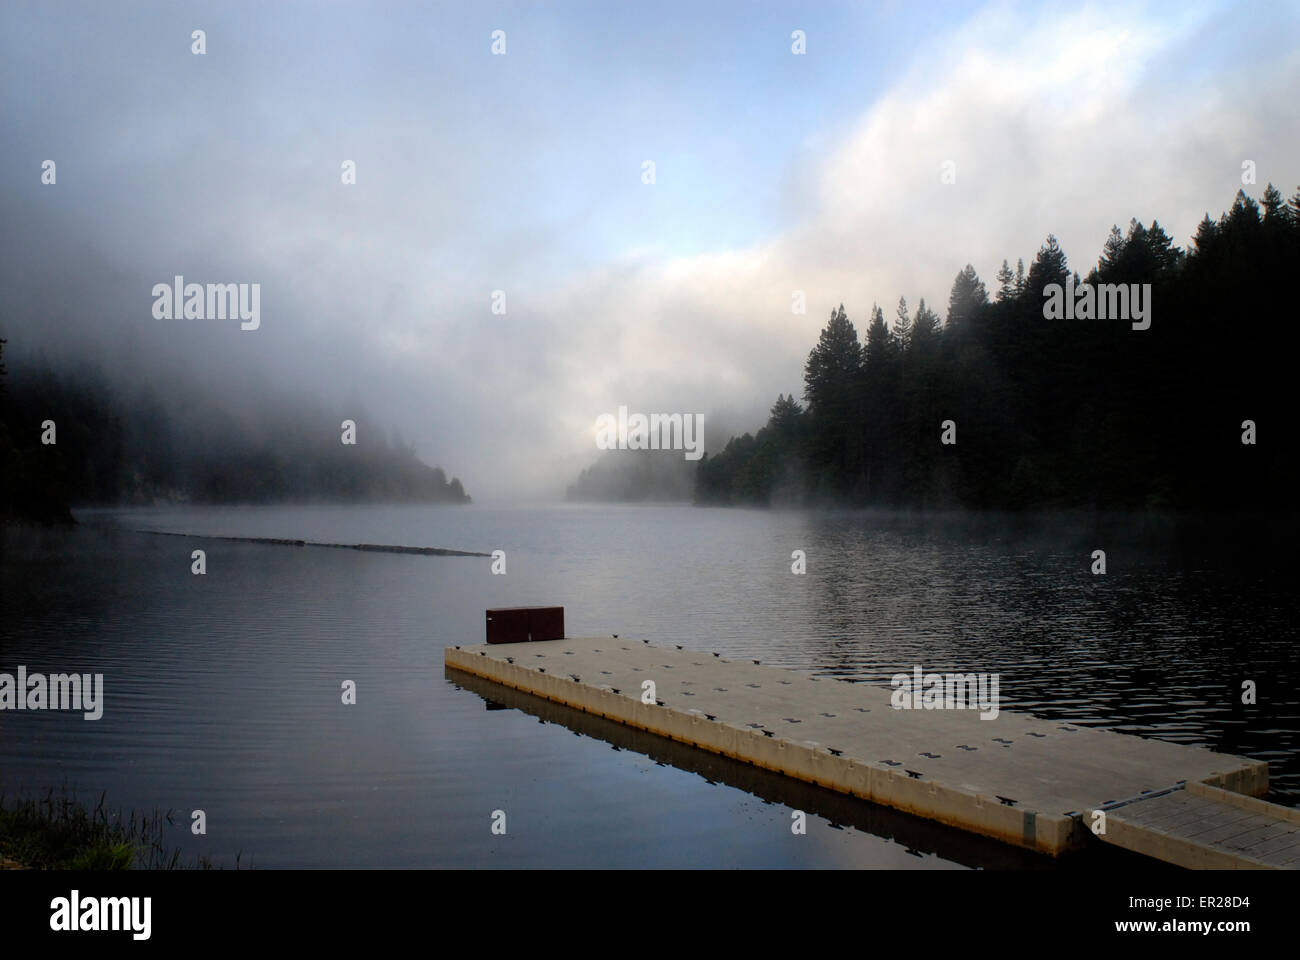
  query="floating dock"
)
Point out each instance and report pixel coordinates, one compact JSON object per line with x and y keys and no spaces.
{"x":1205,"y":827}
{"x":1021,"y":779}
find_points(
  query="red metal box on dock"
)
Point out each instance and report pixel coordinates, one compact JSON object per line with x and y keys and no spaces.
{"x":520,"y":624}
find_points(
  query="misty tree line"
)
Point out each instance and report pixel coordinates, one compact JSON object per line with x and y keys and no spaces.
{"x":1053,"y":413}
{"x":623,"y":476}
{"x":111,"y":449}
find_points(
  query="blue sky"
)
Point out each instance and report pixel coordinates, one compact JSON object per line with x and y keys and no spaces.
{"x":522,"y":172}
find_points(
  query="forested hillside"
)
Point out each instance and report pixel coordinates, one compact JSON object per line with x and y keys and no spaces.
{"x":113,"y":449}
{"x":1053,"y":412}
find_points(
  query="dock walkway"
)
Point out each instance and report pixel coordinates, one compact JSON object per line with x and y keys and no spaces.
{"x":1021,"y":779}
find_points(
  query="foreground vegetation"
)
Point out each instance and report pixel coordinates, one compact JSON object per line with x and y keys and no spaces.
{"x":57,"y":833}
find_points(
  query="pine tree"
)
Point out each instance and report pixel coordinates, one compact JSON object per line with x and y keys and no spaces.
{"x":967,"y":297}
{"x":1111,"y":252}
{"x":1020,"y":278}
{"x":1006,"y":279}
{"x":785,"y":412}
{"x":902,"y":326}
{"x":1244,"y":213}
{"x":1048,"y":267}
{"x":1164,"y":254}
{"x":878,"y":346}
{"x":832,"y":381}
{"x":1274,"y":206}
{"x":1278,"y":214}
{"x":833,"y":363}
{"x":925,"y":326}
{"x":1207,"y":233}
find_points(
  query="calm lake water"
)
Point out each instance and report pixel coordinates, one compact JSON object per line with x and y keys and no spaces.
{"x":223,"y":690}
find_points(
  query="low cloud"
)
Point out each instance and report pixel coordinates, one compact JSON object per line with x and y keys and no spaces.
{"x":1054,"y":123}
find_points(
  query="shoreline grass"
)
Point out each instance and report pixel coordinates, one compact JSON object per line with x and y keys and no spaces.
{"x":56,"y":832}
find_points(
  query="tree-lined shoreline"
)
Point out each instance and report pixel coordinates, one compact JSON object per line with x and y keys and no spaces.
{"x":1051,"y":413}
{"x":112,"y":450}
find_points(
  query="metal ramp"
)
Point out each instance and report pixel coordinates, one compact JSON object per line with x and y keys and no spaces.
{"x":1206,"y":828}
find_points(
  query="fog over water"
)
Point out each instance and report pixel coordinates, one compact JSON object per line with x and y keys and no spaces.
{"x":520,"y":173}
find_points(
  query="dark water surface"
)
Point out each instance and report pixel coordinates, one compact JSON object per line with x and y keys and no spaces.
{"x":223,"y":690}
